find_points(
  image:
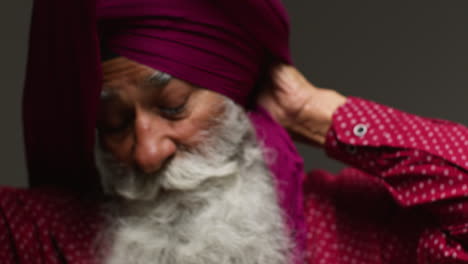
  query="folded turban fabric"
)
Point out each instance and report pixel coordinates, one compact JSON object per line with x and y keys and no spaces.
{"x":213,"y":44}
{"x":222,"y":45}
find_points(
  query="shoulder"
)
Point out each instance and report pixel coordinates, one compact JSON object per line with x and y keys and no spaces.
{"x":53,"y":222}
{"x":14,"y":201}
{"x":46,"y":207}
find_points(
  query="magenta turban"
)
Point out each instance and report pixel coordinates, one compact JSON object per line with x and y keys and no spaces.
{"x":223,"y":45}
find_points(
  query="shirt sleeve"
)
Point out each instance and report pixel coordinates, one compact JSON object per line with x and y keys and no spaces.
{"x":39,"y":226}
{"x":8,"y":252}
{"x":421,"y":162}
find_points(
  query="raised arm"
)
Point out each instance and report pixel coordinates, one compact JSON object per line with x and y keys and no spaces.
{"x":305,"y":110}
{"x":422,"y":163}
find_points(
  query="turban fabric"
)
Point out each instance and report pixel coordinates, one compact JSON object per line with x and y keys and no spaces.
{"x":222,"y":45}
{"x":213,"y":44}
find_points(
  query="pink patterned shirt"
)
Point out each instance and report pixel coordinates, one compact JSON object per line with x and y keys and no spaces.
{"x":404,"y":202}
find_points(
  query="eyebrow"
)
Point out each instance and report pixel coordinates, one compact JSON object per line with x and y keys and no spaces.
{"x":158,"y":79}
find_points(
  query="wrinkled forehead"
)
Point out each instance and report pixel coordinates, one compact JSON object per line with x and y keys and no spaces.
{"x":120,"y":73}
{"x":123,"y":69}
{"x":195,"y":41}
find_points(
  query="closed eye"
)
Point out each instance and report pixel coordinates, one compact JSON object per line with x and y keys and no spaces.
{"x":117,"y":125}
{"x":172,"y":112}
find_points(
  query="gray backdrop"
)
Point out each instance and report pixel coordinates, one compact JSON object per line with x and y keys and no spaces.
{"x":409,"y":54}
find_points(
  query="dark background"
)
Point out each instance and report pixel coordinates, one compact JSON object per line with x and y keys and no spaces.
{"x":412,"y":55}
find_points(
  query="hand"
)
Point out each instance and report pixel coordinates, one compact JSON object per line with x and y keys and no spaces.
{"x":303,"y":109}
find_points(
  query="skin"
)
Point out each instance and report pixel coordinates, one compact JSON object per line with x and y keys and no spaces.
{"x":305,"y":110}
{"x":143,"y":123}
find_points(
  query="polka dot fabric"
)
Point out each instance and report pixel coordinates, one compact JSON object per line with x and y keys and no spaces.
{"x":405,"y":200}
{"x":46,"y":226}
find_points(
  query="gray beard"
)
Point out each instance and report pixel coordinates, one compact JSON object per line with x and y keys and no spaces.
{"x":216,"y":204}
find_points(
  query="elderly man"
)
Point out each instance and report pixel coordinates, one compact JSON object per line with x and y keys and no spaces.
{"x":186,"y":162}
{"x":193,"y":162}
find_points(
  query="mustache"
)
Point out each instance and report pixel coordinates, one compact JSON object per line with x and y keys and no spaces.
{"x":184,"y":172}
{"x":127,"y":182}
{"x":217,"y":155}
{"x":132,"y":183}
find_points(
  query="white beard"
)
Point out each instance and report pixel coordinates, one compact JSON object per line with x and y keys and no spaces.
{"x":216,"y":204}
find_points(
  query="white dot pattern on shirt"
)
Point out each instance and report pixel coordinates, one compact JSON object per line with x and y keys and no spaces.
{"x":420,"y":162}
{"x":43,"y":226}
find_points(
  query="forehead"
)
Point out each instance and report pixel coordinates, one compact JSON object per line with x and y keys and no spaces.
{"x":125,"y":70}
{"x":129,"y":79}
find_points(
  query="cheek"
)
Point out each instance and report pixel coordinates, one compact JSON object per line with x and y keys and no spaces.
{"x":205,"y":109}
{"x":204,"y":116}
{"x":190,"y":131}
{"x":121,"y":149}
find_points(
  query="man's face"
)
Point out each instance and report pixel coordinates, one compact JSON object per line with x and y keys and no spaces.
{"x":145,"y":117}
{"x":185,"y":168}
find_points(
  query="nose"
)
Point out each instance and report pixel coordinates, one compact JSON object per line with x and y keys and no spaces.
{"x":153,"y":144}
